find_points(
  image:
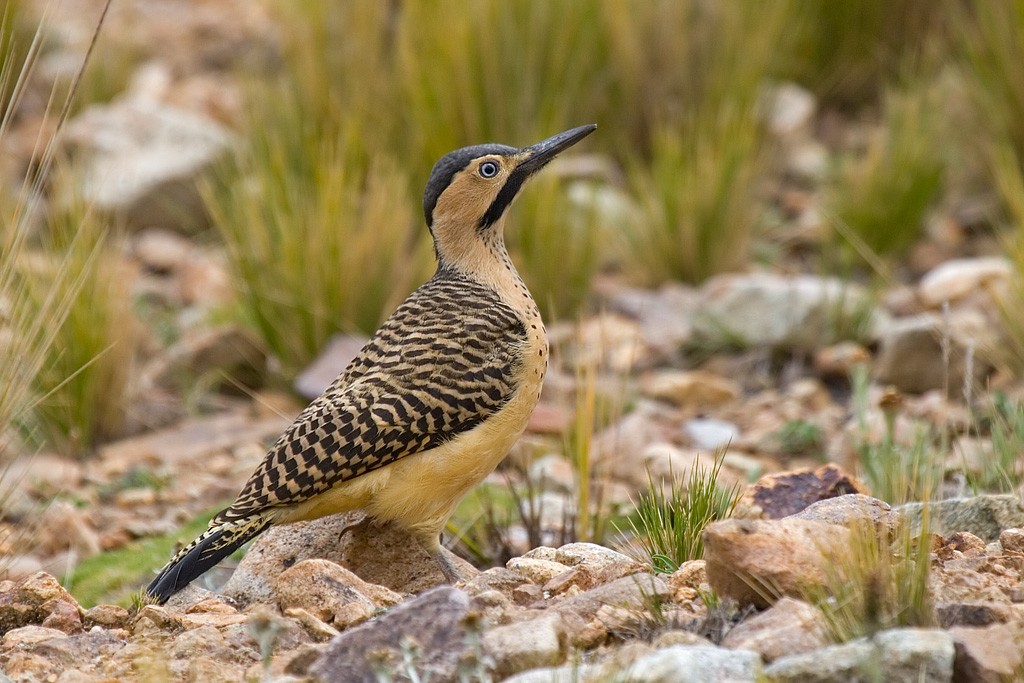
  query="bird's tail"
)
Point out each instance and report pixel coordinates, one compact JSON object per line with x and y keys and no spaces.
{"x":212,"y":546}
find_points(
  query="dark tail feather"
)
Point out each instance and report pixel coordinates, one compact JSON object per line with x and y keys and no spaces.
{"x":212,"y":546}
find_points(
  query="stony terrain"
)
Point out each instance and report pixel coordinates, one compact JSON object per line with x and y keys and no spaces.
{"x":340,"y":599}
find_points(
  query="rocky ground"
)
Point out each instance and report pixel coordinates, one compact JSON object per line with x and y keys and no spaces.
{"x":340,"y":599}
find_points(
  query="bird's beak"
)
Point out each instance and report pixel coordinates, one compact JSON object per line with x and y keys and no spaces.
{"x":538,"y":155}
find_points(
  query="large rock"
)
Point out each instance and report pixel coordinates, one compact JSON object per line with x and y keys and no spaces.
{"x":852,"y":509}
{"x":383,"y":555}
{"x":757,"y":561}
{"x":989,"y":654}
{"x":904,"y":655}
{"x":39,"y":599}
{"x":984,"y":516}
{"x":781,"y":494}
{"x":763,"y":309}
{"x":789,"y":627}
{"x":694,"y":664}
{"x":141,"y":160}
{"x":525,"y":645}
{"x":912,"y":359}
{"x":332,"y":593}
{"x":433,"y":623}
{"x":960,"y":278}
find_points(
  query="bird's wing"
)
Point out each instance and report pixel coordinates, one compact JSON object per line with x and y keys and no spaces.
{"x":428,"y":375}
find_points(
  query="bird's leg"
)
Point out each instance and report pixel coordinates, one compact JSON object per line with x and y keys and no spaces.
{"x":432,"y":544}
{"x":451,"y":574}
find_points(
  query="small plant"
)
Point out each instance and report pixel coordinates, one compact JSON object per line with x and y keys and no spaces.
{"x":897,"y":473}
{"x":880,"y":582}
{"x":799,"y":437}
{"x":881,"y":197}
{"x":315,"y":251}
{"x":1000,"y":468}
{"x":84,"y":385}
{"x":668,"y":528}
{"x":698,"y":198}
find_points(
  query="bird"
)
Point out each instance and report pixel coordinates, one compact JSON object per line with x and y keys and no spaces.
{"x":432,"y":402}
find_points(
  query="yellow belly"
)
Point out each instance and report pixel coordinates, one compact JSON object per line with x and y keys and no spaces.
{"x":420,"y":491}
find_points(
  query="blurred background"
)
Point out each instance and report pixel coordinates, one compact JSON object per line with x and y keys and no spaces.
{"x":788,"y":210}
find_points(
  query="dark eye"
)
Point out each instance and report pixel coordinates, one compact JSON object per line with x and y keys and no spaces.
{"x":488,"y":169}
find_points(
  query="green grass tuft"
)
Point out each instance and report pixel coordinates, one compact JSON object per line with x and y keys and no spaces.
{"x":668,"y":528}
{"x":880,"y":582}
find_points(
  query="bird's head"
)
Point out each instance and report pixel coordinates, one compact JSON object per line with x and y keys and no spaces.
{"x":470,"y":189}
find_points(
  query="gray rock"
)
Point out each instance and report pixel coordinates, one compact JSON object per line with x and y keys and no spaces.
{"x":710,"y":433}
{"x":229,"y":355}
{"x":910,"y":655}
{"x":570,"y":673}
{"x":983,"y":516}
{"x":384,"y":555}
{"x":790,"y":108}
{"x":525,"y":645}
{"x":911,"y":355}
{"x":850,"y":509}
{"x":141,"y":159}
{"x":329,"y":363}
{"x":959,"y":278}
{"x":433,"y":620}
{"x":763,"y":309}
{"x":788,"y":627}
{"x":630,"y":592}
{"x":694,"y":664}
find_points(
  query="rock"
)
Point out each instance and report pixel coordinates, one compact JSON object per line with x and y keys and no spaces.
{"x":549,"y":418}
{"x":687,"y":581}
{"x":663,"y":314}
{"x":570,"y":673}
{"x":36,"y":599}
{"x":788,"y":627}
{"x":692,"y":388}
{"x":984,"y":516}
{"x":840,"y":359}
{"x":905,"y":655}
{"x":757,"y":561}
{"x":630,"y":592}
{"x":141,"y":160}
{"x":790,"y":109}
{"x":782,"y":494}
{"x":598,"y":559}
{"x":1012,"y":540}
{"x":710,"y":433}
{"x":552,"y":472}
{"x":990,"y":654}
{"x":106,"y":616}
{"x":620,"y":447}
{"x":808,"y":161}
{"x":27,"y":636}
{"x":383,"y":555}
{"x":694,"y":664}
{"x":538,"y":571}
{"x":162,"y":251}
{"x":230,"y":355}
{"x":767,"y":310}
{"x":911,"y":356}
{"x":851,"y":509}
{"x":434,"y":620}
{"x":525,"y":645}
{"x":329,"y":591}
{"x":329,"y":363}
{"x":191,"y":441}
{"x":959,"y":278}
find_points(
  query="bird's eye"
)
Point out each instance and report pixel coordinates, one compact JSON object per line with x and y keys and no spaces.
{"x":488,"y":169}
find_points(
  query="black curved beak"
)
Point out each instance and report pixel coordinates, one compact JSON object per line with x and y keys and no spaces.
{"x":546,"y":150}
